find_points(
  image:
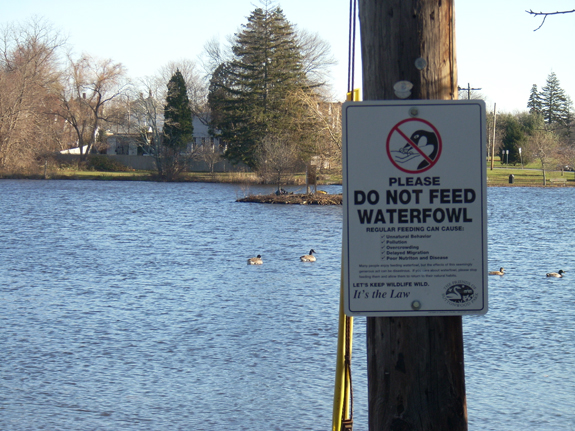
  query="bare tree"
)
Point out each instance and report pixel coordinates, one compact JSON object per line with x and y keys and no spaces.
{"x":317,"y":57}
{"x":28,"y":77}
{"x":213,"y":60}
{"x":120,"y":112}
{"x":567,"y":158}
{"x":215,"y":53}
{"x":209,"y":154}
{"x":546,"y":14}
{"x":276,"y":157}
{"x":148,"y":114}
{"x":315,"y":126}
{"x":88,"y":87}
{"x":543,"y":145}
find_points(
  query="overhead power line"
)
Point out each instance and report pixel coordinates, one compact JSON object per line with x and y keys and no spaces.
{"x":469,"y":90}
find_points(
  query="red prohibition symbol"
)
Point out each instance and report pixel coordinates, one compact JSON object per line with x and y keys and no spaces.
{"x":414,"y":145}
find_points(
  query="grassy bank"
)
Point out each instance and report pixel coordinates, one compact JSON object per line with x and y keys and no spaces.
{"x":498,"y":177}
{"x":530,"y":176}
{"x":207,"y":177}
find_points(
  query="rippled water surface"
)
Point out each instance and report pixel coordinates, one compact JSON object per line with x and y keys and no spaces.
{"x":129,"y":306}
{"x":520,"y":357}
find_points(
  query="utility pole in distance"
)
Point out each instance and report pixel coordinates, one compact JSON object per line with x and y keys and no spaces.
{"x":416,"y":379}
{"x":469,"y":90}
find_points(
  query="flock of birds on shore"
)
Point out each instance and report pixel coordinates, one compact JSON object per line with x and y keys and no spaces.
{"x":558,"y":274}
{"x":305,"y":258}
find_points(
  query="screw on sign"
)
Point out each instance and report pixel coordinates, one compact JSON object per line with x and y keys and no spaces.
{"x":414,"y":145}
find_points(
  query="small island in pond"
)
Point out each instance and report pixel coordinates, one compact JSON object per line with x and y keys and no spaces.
{"x":295,"y":199}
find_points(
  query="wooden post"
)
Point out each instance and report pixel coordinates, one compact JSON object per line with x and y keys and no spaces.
{"x":416,"y":378}
{"x":311,"y":177}
{"x":494,"y":130}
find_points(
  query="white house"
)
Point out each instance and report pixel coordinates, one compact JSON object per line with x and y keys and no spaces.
{"x":75,"y":150}
{"x":122,"y":144}
{"x":127,"y":144}
{"x":202,"y":136}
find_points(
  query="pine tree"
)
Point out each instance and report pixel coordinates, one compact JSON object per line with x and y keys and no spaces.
{"x":534,"y":104}
{"x":171,"y":155}
{"x":555,"y":105}
{"x":247,"y":95}
{"x":514,"y":136}
{"x":568,"y":117}
{"x":178,"y":126}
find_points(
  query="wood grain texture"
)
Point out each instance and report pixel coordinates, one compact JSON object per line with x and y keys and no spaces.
{"x":416,"y":378}
{"x":394,"y":33}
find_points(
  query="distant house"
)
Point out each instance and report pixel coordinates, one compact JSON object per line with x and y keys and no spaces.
{"x":128,"y":144}
{"x":202,"y":137}
{"x":75,"y":150}
{"x":123,"y":144}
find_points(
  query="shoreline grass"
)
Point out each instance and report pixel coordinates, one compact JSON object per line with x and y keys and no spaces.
{"x":496,"y":177}
{"x":528,"y":177}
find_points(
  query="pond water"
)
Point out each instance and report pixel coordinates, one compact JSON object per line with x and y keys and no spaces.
{"x":129,"y":305}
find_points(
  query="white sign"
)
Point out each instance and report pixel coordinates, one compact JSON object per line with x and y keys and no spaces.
{"x":415,"y":208}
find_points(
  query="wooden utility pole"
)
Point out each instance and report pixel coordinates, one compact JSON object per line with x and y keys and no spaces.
{"x":494,"y":130}
{"x":416,"y":377}
{"x":469,"y":90}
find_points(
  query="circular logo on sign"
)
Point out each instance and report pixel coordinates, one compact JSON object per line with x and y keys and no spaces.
{"x":414,"y":145}
{"x":460,"y":293}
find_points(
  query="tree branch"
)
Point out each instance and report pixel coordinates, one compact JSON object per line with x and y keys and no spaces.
{"x":546,"y":14}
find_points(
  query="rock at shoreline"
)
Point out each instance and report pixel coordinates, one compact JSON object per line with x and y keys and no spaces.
{"x":295,"y":199}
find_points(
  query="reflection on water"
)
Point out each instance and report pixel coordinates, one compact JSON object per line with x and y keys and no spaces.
{"x":130,"y":306}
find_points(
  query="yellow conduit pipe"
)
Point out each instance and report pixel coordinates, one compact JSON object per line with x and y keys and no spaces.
{"x":341,"y":399}
{"x":342,"y":391}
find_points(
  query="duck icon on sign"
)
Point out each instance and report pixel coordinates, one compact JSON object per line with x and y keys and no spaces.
{"x":414,"y":145}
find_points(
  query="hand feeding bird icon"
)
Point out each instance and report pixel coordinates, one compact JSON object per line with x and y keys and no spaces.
{"x":414,"y":145}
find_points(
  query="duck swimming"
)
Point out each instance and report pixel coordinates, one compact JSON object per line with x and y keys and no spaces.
{"x":500,"y":272}
{"x":255,"y":260}
{"x":308,"y":257}
{"x":556,"y":274}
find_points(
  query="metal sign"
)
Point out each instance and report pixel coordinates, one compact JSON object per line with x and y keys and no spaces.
{"x":415,"y":208}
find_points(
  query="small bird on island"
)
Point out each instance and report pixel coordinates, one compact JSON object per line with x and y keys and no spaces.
{"x":308,"y":257}
{"x":556,"y":274}
{"x":500,"y":272}
{"x":255,"y":260}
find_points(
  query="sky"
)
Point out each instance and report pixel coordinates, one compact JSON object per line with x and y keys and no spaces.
{"x":497,"y":47}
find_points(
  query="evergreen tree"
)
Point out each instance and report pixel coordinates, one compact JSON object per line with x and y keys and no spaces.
{"x":568,"y":118}
{"x":534,"y":103}
{"x":517,"y":132}
{"x":247,"y":94}
{"x":555,"y":105}
{"x":220,"y":100}
{"x":514,"y":136}
{"x":531,"y":122}
{"x":178,"y":127}
{"x":171,"y":155}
